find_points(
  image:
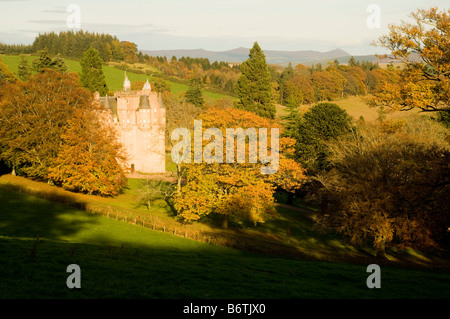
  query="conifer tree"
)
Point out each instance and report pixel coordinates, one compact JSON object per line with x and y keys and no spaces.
{"x":194,"y":94}
{"x":92,"y":76}
{"x":46,"y":62}
{"x":24,"y":70}
{"x":254,"y":88}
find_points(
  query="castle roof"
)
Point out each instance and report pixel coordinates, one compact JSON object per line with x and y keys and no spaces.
{"x":147,"y":86}
{"x":144,"y":103}
{"x":110,"y":102}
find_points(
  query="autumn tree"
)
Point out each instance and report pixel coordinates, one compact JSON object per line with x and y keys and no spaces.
{"x":92,"y":76}
{"x":237,"y":191}
{"x":160,"y":86}
{"x":389,"y":188}
{"x":6,"y":76}
{"x":254,"y":88}
{"x":51,"y":129}
{"x":423,"y":45}
{"x":33,"y":117}
{"x":90,"y":158}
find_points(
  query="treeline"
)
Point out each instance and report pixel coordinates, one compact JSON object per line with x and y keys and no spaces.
{"x":294,"y":86}
{"x":218,"y":75}
{"x":71,"y":44}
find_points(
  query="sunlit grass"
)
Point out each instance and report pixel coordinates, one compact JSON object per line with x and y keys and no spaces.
{"x":114,"y":77}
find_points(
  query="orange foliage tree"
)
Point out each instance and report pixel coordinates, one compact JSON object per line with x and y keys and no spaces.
{"x":90,"y":157}
{"x":423,"y":46}
{"x":237,"y":191}
{"x":51,"y":129}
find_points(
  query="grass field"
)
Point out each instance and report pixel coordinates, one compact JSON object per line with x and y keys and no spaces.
{"x":120,"y":260}
{"x":114,"y":77}
{"x":355,"y":107}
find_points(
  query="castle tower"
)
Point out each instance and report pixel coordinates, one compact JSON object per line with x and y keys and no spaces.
{"x":139,"y":117}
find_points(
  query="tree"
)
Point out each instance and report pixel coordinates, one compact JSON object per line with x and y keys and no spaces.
{"x":285,"y":76}
{"x":33,"y":117}
{"x":161,"y":86}
{"x":24,"y":70}
{"x":44,"y":62}
{"x":322,"y":123}
{"x":254,"y":88}
{"x":389,"y":188}
{"x":194,"y":94}
{"x":6,"y":76}
{"x":423,"y":46}
{"x":236,"y":191}
{"x":178,"y":114}
{"x":90,"y":158}
{"x":151,"y":190}
{"x":92,"y":76}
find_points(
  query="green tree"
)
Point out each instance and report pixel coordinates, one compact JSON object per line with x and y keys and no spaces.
{"x":161,"y":86}
{"x":254,"y":87}
{"x":151,"y":190}
{"x":92,"y":76}
{"x":24,"y":70}
{"x":322,"y":123}
{"x":194,"y":94}
{"x":44,"y":61}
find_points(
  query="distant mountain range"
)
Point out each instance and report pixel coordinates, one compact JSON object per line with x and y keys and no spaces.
{"x":238,"y":55}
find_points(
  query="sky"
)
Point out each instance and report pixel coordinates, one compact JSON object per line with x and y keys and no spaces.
{"x":216,"y":25}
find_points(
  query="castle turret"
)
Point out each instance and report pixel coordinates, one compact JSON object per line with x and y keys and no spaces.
{"x":147,"y":87}
{"x":126,"y":83}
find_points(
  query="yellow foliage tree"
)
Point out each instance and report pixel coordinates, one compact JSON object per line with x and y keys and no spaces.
{"x":237,"y":191}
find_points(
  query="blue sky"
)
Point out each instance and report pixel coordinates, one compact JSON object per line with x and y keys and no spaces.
{"x":215,"y":24}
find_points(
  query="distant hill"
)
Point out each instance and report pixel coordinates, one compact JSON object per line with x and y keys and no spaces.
{"x":272,"y":57}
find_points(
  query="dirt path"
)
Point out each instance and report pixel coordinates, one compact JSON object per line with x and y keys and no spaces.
{"x":167,"y":177}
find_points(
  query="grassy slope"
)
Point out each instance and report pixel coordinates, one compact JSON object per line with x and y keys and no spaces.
{"x":355,"y":107}
{"x":114,"y":77}
{"x":119,"y":260}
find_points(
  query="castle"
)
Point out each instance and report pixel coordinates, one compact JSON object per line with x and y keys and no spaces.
{"x":139,"y":117}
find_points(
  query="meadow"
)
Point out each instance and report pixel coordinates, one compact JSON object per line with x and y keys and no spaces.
{"x":114,"y":76}
{"x":120,"y":260}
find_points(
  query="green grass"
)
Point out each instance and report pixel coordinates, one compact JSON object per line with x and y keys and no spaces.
{"x":120,"y":260}
{"x":114,"y":77}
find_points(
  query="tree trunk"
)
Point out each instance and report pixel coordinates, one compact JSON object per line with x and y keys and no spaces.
{"x":381,"y":250}
{"x":225,"y":222}
{"x":13,"y":173}
{"x":179,"y":177}
{"x":148,"y":204}
{"x":290,"y":198}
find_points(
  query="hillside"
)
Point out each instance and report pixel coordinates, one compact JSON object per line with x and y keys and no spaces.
{"x":124,"y":260}
{"x":272,"y":56}
{"x":114,"y":76}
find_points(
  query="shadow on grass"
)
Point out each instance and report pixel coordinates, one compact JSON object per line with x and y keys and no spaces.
{"x":23,"y":215}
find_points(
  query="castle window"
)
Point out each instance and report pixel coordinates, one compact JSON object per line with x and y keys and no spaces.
{"x":155,"y":110}
{"x":144,"y":121}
